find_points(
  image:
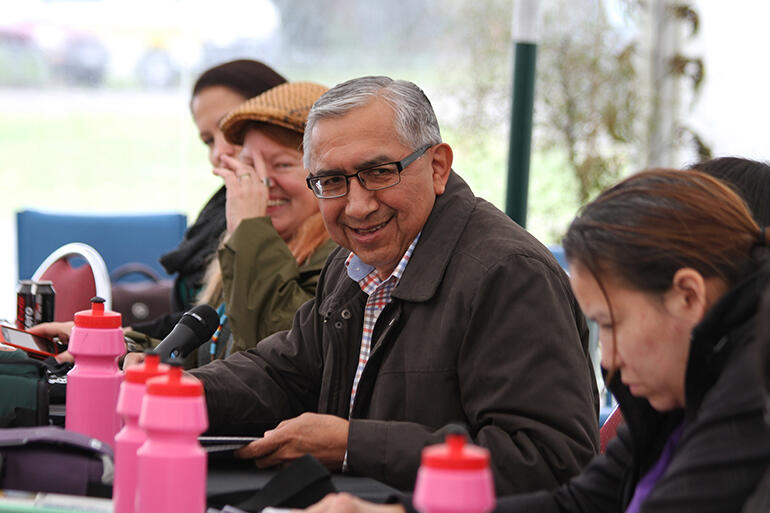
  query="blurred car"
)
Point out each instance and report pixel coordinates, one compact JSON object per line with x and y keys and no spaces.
{"x":22,"y":63}
{"x":79,"y":59}
{"x":67,"y":54}
{"x":152,"y":43}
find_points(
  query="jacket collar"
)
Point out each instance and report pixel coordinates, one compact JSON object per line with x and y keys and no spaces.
{"x":440,"y":235}
{"x":729,"y":323}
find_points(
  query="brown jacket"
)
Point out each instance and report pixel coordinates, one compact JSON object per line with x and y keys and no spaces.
{"x":482,"y":330}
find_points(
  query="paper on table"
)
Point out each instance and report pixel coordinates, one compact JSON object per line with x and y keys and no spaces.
{"x":24,"y":502}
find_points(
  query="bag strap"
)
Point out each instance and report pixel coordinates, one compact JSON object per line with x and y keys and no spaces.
{"x":134,"y":268}
{"x":302,"y":483}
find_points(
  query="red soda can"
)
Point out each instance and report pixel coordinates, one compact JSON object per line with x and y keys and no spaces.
{"x":25,"y":305}
{"x":45,"y":297}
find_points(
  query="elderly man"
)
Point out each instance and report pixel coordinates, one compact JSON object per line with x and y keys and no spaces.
{"x":436,"y":310}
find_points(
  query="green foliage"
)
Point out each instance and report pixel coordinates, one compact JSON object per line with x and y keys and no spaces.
{"x":588,"y":100}
{"x":61,"y":156}
{"x":588,"y":121}
{"x":586,"y":107}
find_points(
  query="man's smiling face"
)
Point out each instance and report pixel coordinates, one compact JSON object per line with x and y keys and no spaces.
{"x":378,"y":226}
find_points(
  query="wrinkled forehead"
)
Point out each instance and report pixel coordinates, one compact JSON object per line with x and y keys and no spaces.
{"x":348,"y":141}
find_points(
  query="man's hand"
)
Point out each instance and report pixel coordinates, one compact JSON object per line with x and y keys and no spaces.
{"x":134,"y":358}
{"x":323,"y":436}
{"x":346,"y":503}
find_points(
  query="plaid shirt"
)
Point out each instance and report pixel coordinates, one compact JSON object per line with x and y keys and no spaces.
{"x":379,"y":296}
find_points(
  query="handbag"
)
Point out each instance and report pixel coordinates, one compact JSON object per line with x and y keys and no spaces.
{"x":53,"y":460}
{"x":139,"y":301}
{"x":23,"y":390}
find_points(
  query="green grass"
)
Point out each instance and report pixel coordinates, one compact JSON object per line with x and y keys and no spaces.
{"x":88,"y":151}
{"x":114,"y":158}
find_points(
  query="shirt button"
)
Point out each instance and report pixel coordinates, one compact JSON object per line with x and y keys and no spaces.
{"x":338,"y":324}
{"x":346,"y":314}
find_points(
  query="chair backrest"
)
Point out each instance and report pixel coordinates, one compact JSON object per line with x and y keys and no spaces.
{"x":75,"y":285}
{"x":558,"y":254}
{"x":609,"y":429}
{"x":119,"y":238}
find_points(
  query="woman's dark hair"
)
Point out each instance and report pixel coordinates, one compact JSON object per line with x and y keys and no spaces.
{"x":641,"y":231}
{"x":750,"y":178}
{"x":644,"y":229}
{"x":246,"y":77}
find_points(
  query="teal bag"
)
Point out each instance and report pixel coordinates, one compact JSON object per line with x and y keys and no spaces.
{"x":23,"y":390}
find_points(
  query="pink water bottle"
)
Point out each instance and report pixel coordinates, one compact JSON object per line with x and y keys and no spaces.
{"x":131,"y":437}
{"x":172,"y":464}
{"x":454,"y":478}
{"x":93,"y":384}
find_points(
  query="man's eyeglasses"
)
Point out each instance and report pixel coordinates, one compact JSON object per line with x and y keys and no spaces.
{"x":372,"y":178}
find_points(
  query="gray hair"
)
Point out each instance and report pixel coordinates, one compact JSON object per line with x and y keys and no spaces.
{"x":415,"y":122}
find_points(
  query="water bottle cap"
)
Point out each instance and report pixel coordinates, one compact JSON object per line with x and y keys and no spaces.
{"x":174,"y":384}
{"x":455,"y":454}
{"x":97,"y":317}
{"x":149,"y":369}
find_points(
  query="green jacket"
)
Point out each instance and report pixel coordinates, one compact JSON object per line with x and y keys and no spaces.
{"x":263,"y":285}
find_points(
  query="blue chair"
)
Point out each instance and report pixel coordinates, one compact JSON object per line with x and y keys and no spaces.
{"x":118,"y":238}
{"x":558,"y":254}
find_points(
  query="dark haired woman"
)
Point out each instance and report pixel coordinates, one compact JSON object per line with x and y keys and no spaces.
{"x":275,"y":243}
{"x":671,"y":265}
{"x":216,"y":92}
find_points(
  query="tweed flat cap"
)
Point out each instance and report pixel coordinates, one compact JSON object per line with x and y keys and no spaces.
{"x":285,"y":105}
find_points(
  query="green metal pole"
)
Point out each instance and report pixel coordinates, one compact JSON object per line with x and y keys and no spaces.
{"x":522,"y":103}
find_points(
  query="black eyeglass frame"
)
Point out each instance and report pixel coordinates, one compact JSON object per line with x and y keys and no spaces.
{"x":400,"y":166}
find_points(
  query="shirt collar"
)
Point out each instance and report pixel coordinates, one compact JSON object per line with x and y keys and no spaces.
{"x":358,"y":269}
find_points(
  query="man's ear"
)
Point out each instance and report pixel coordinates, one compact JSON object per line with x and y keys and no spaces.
{"x":441,"y":164}
{"x":688,"y":296}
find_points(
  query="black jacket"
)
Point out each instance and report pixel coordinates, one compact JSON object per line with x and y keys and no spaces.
{"x":483,"y":330}
{"x":725,"y":446}
{"x":191,"y":258}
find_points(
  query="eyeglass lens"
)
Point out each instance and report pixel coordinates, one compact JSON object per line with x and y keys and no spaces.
{"x":373,"y":179}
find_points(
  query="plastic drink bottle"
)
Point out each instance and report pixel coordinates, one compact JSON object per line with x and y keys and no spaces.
{"x":93,"y":384}
{"x":171,"y":462}
{"x":454,"y":478}
{"x":131,"y":437}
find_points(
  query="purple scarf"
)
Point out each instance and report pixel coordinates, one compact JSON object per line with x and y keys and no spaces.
{"x":647,"y":483}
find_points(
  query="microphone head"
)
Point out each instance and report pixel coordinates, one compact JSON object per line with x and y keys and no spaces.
{"x":203,"y":320}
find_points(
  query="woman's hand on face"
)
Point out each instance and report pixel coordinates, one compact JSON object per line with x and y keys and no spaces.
{"x":247,"y":193}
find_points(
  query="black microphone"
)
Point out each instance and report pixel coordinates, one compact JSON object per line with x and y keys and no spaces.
{"x":193,"y":329}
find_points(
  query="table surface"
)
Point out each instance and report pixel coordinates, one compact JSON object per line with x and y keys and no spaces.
{"x":228,"y":476}
{"x":241,"y":477}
